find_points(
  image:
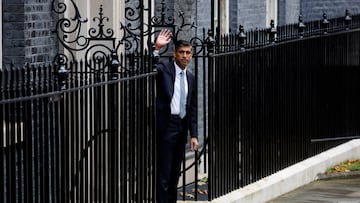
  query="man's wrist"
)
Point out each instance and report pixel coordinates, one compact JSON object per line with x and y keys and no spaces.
{"x":157,"y":48}
{"x":156,"y":52}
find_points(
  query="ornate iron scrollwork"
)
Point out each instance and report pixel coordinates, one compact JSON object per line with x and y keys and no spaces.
{"x":100,"y":34}
{"x":168,"y":21}
{"x":68,"y":30}
{"x":163,"y":20}
{"x":100,"y":42}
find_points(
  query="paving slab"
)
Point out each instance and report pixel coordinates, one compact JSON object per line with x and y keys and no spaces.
{"x":342,"y":189}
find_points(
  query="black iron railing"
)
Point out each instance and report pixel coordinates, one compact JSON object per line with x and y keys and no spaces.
{"x":279,"y":99}
{"x":92,"y":141}
{"x":276,"y":34}
{"x":84,"y":131}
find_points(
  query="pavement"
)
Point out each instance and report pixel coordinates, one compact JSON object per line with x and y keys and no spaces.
{"x":340,"y":189}
{"x":304,"y":182}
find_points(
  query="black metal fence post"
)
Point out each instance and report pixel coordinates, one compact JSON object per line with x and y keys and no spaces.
{"x":210,"y":41}
{"x":272,"y":32}
{"x":301,"y":27}
{"x":325,"y":24}
{"x":347,"y":19}
{"x":63,"y":140}
{"x":242,"y":37}
{"x":113,"y":140}
{"x":62,"y":73}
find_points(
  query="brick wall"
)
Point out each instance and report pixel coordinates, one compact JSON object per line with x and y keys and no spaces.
{"x":252,"y":14}
{"x":233,"y":18}
{"x":203,"y":17}
{"x":313,"y":9}
{"x":288,"y":11}
{"x":13,"y":35}
{"x":27,"y":32}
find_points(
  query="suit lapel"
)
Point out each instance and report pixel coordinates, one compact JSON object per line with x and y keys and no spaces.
{"x":172,"y":71}
{"x":172,"y":75}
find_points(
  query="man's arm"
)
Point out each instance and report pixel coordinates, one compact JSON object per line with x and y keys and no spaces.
{"x":162,"y":40}
{"x":193,"y":117}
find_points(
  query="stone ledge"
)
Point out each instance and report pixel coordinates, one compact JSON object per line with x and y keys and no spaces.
{"x":292,"y":177}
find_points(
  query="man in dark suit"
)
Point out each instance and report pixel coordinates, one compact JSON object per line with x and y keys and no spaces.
{"x":176,"y":114}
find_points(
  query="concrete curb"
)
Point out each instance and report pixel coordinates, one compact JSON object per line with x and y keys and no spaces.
{"x":292,"y":177}
{"x":338,"y":175}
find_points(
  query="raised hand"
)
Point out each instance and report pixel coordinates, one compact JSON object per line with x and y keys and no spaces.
{"x":163,"y":39}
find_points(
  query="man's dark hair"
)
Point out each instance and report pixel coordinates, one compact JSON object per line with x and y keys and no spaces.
{"x":181,"y":43}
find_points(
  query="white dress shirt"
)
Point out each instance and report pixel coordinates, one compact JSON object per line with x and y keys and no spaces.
{"x":175,"y":101}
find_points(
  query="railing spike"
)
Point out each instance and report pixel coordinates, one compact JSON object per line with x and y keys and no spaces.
{"x":347,"y":19}
{"x":272,"y":32}
{"x":242,"y":37}
{"x":325,"y":23}
{"x":301,"y":27}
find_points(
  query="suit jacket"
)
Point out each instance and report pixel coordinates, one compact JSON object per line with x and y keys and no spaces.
{"x":165,"y":90}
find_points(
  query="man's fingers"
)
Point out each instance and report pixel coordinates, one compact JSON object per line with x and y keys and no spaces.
{"x":166,"y":33}
{"x":194,"y":147}
{"x":163,"y":39}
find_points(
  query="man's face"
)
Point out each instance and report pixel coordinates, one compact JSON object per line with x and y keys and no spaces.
{"x":183,"y":56}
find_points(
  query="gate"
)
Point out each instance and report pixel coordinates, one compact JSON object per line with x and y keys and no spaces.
{"x":83,"y":129}
{"x":107,"y":109}
{"x":107,"y":126}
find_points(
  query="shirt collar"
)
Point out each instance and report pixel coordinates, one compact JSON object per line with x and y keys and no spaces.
{"x":178,"y":69}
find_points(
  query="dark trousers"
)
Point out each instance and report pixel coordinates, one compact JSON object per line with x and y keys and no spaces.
{"x":171,"y":149}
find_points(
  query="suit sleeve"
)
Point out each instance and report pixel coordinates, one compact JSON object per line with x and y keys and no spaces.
{"x":193,"y":112}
